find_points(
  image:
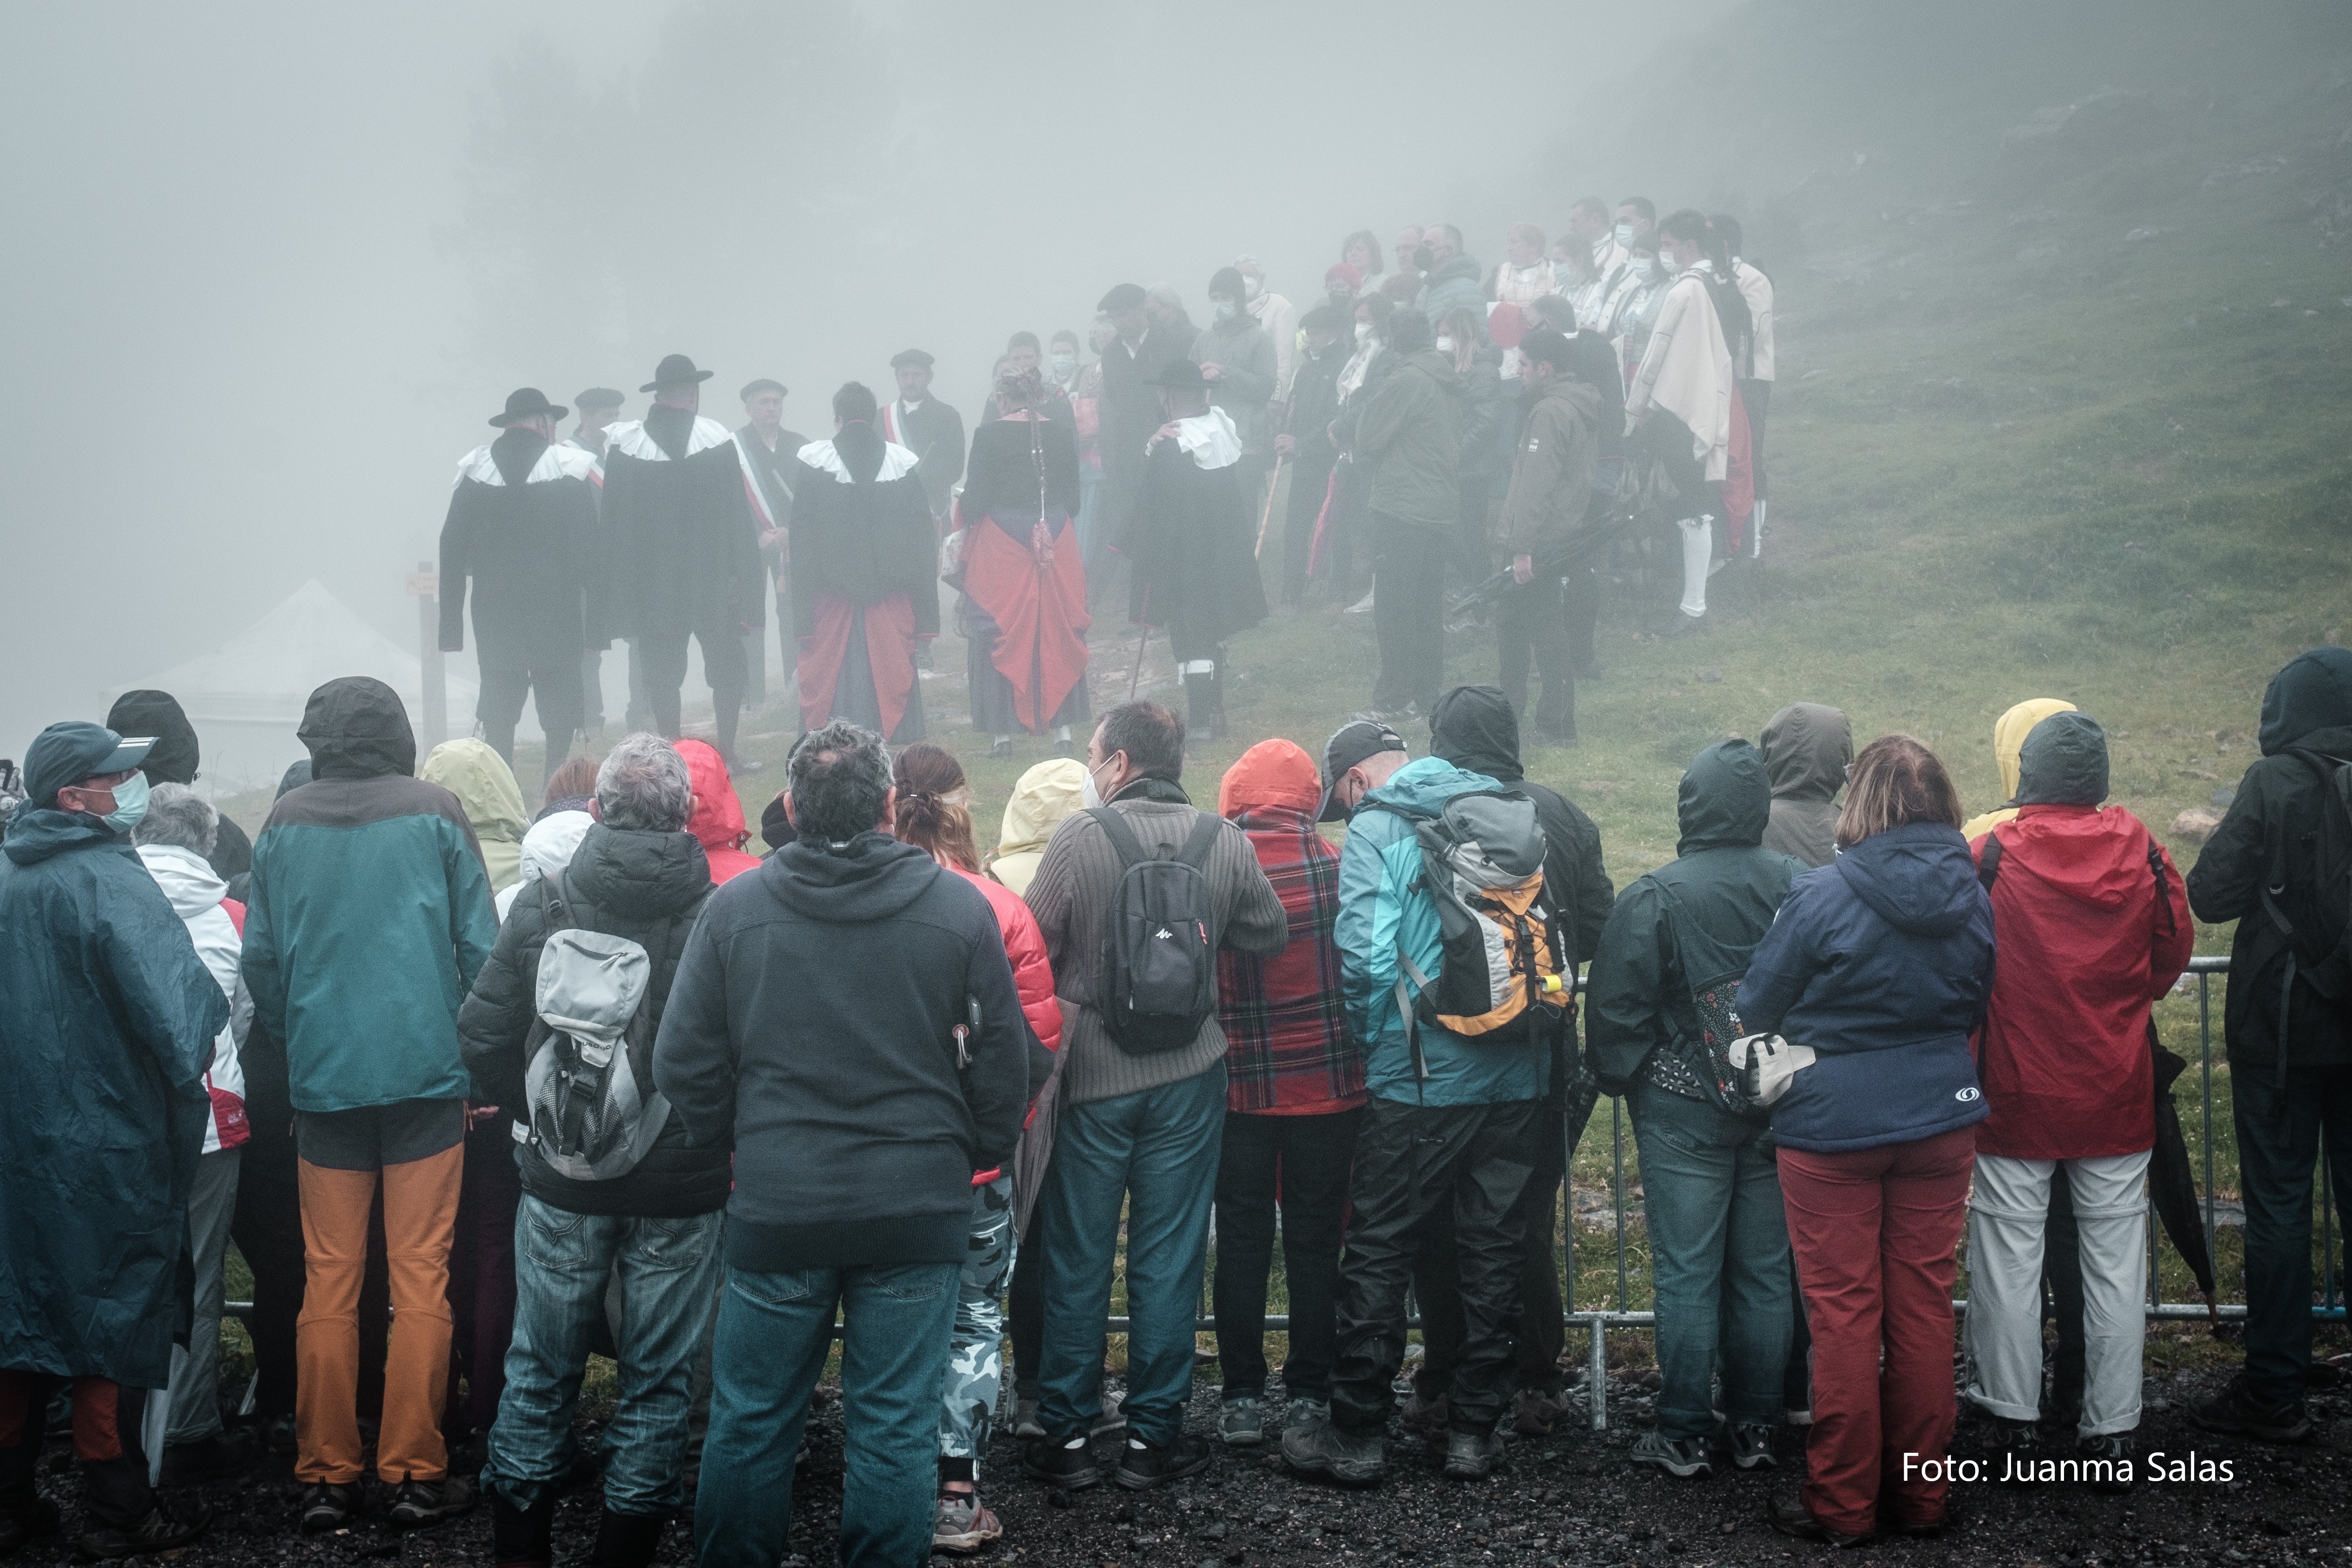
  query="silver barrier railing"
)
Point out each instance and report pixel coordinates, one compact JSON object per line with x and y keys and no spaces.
{"x":1597,"y":1322}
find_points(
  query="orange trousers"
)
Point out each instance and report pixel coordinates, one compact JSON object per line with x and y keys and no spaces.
{"x":420,"y":1212}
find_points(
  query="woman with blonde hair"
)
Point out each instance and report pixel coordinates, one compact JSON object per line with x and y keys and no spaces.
{"x":1881,"y":964}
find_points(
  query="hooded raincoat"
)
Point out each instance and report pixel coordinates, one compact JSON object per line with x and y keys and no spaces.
{"x":174,"y":761}
{"x":1044,"y":795}
{"x":547,"y":848}
{"x":1705,"y":911}
{"x":110,"y":1018}
{"x":486,"y":787}
{"x":1807,"y":748}
{"x":2270,"y":837}
{"x":717,"y":820}
{"x":2099,"y":923}
{"x":2009,"y":733}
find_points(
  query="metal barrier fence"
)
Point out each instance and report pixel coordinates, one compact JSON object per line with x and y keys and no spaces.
{"x":1598,"y":1321}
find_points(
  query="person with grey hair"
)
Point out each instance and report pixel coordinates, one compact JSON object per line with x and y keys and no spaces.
{"x":846,"y":1019}
{"x":175,"y":841}
{"x":637,"y":874}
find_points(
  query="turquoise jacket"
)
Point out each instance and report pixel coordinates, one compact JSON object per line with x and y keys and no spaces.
{"x":1381,"y":909}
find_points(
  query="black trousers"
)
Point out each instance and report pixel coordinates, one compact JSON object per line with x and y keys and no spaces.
{"x":1756,"y":400}
{"x":1421,"y":1170}
{"x":106,"y":1419}
{"x":1300,"y":1163}
{"x":1472,"y":563}
{"x":562,"y":707}
{"x":1531,"y":627}
{"x":1026,"y":1308}
{"x":1580,"y":596}
{"x":1409,"y":616}
{"x":1537,"y":1333}
{"x":722,"y":666}
{"x":267,"y":1224}
{"x":1307,"y":487}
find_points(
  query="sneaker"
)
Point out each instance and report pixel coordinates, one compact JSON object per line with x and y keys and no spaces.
{"x":420,"y":1503}
{"x":1679,"y":624}
{"x":2020,"y":1445}
{"x":963,"y":1523}
{"x":1472,"y":1455}
{"x":2236,"y":1411}
{"x":1535,"y":1411}
{"x":1064,"y":1462}
{"x":1794,"y":1519}
{"x":1305,"y":1411}
{"x":1424,"y":1417}
{"x":1025,"y":1424}
{"x":327,"y":1506}
{"x":1142,"y":1464}
{"x":213,"y":1458}
{"x":1751,"y":1445}
{"x":277,"y":1435}
{"x":159,"y":1531}
{"x":16,"y":1529}
{"x":1333,"y":1451}
{"x":1241,"y":1424}
{"x":1685,"y":1457}
{"x":2119,"y":1452}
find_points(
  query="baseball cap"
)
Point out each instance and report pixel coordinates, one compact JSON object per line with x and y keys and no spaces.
{"x":1350,"y":743}
{"x":66,"y":753}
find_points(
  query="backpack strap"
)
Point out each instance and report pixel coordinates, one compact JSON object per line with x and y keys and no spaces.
{"x":2163,"y":888}
{"x":1201,"y":841}
{"x":1122,"y":837}
{"x":1989,"y":863}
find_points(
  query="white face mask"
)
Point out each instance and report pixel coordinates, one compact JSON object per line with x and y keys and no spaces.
{"x":1089,"y":796}
{"x":1444,"y":344}
{"x":1227,"y":310}
{"x":1625,"y":233}
{"x":1256,"y":285}
{"x":1363,"y":331}
{"x":1062,"y":365}
{"x":1644,"y":269}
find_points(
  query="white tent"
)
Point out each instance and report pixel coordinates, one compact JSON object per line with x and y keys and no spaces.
{"x":246,"y":698}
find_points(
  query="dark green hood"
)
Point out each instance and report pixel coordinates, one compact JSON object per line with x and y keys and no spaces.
{"x":356,"y":729}
{"x":1725,"y":800}
{"x":1474,"y":728}
{"x":2312,"y":692}
{"x":1806,"y":746}
{"x":2063,"y":763}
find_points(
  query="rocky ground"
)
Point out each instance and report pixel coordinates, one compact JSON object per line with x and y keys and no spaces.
{"x":1567,"y":1499}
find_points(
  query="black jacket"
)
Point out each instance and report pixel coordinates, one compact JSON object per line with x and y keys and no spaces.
{"x":647,"y":887}
{"x":1314,"y":405}
{"x":522,"y":527}
{"x":2275,"y":820}
{"x":680,"y":550}
{"x":811,"y":1029}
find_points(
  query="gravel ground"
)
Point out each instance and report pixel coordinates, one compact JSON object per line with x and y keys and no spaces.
{"x":1567,"y":1499}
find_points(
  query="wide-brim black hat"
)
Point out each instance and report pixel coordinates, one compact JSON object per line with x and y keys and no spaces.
{"x":675,"y":370}
{"x":1182,"y":375}
{"x":527,"y":403}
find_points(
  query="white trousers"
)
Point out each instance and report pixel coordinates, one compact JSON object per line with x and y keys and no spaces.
{"x":1698,"y":551}
{"x":2007,"y":1214}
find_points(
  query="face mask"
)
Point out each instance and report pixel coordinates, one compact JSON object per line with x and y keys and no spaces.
{"x":1644,"y":269}
{"x":1625,"y":233}
{"x":130,"y":804}
{"x":1445,"y":345}
{"x":1363,"y":331}
{"x":1062,"y":365}
{"x":1090,"y":794}
{"x":1256,"y":286}
{"x":1227,"y":310}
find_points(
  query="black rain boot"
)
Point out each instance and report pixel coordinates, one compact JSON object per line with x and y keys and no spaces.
{"x":522,"y":1537}
{"x":626,"y":1540}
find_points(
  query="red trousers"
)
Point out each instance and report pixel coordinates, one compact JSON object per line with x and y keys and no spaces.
{"x":1875,"y":1232}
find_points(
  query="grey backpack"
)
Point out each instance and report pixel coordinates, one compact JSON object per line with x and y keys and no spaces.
{"x":588,"y":1092}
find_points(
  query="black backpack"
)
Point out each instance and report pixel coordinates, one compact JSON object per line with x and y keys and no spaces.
{"x":2323,"y":957}
{"x":1158,"y":974}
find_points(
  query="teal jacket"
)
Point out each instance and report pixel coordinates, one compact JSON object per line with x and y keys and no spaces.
{"x":1381,"y":909}
{"x":368,"y":914}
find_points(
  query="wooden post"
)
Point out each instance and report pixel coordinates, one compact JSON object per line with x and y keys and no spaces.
{"x":424,"y":583}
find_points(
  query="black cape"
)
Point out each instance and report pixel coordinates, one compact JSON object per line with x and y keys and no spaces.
{"x":1192,"y":543}
{"x":681,"y":544}
{"x":522,"y":527}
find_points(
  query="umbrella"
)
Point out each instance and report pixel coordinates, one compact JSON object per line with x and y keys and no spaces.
{"x":2171,"y":1182}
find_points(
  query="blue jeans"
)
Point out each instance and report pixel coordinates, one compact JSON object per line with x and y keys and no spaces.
{"x":2278,"y":1146}
{"x":1158,"y":1151}
{"x":1719,"y":1255}
{"x":774,"y":1331}
{"x":670,"y":1280}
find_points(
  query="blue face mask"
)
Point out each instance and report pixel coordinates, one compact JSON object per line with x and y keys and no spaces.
{"x":130,"y":804}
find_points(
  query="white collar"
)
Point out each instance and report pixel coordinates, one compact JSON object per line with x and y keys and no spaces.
{"x":897,"y":461}
{"x":1211,"y":438}
{"x":629,"y":439}
{"x":562,"y":460}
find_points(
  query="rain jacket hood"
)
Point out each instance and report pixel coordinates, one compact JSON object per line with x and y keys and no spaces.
{"x":1271,"y":773}
{"x":486,"y":787}
{"x":1807,"y":747}
{"x":1474,"y":728}
{"x":871,"y":878}
{"x":1726,"y":799}
{"x":547,"y":849}
{"x":2063,"y":763}
{"x":1044,"y":794}
{"x":158,"y":713}
{"x":34,"y":835}
{"x":2009,"y":733}
{"x":717,"y":820}
{"x":355,"y":727}
{"x":1917,"y":877}
{"x":2313,"y":692}
{"x":191,"y":885}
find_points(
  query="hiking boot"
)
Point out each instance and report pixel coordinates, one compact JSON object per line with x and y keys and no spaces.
{"x":1306,"y":1411}
{"x":1025,"y":1424}
{"x":1241,"y":1424}
{"x":1535,"y":1411}
{"x":1142,"y":1464}
{"x":626,"y":1540}
{"x":214,"y":1459}
{"x":2118,"y":1454}
{"x":1685,"y":1457}
{"x":1064,"y":1462}
{"x":329,"y":1505}
{"x":522,"y":1537}
{"x":1793,"y":1518}
{"x":1751,"y":1445}
{"x":159,"y":1531}
{"x":1424,"y":1417}
{"x":420,"y":1503}
{"x":29,"y":1524}
{"x":2237,"y":1412}
{"x":963,"y":1523}
{"x":1328,"y":1449}
{"x":1472,"y":1455}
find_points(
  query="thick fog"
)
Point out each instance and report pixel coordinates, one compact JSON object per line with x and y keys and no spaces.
{"x":269,"y":267}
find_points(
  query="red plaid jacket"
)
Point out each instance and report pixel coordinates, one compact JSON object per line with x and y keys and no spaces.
{"x":1287,"y":1050}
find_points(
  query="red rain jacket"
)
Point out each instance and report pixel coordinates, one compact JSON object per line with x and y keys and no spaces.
{"x":717,"y":820}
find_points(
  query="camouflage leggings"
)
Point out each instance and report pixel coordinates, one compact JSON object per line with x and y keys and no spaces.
{"x":975,"y":1374}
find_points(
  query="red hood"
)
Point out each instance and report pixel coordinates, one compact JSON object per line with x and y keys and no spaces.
{"x":2094,"y":856}
{"x":1272,"y":772}
{"x":718,"y":820}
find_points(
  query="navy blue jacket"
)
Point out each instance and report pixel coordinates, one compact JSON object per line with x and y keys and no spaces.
{"x":1881,"y":961}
